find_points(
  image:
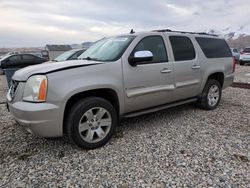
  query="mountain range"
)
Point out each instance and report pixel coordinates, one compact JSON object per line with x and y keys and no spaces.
{"x":236,"y":37}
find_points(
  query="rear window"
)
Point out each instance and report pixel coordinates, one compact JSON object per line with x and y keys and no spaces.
{"x":247,"y":50}
{"x":214,"y":48}
{"x":183,"y":48}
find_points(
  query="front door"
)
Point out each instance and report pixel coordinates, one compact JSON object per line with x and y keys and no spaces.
{"x":147,"y":84}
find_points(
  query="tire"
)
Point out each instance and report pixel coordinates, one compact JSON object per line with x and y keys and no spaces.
{"x":207,"y":101}
{"x":242,"y":63}
{"x":91,"y":122}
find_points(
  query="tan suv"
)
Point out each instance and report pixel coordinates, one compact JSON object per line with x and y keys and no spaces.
{"x":121,"y":76}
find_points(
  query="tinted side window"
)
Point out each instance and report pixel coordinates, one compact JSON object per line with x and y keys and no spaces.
{"x":183,"y":48}
{"x":29,"y":57}
{"x":214,"y":48}
{"x":15,"y":58}
{"x":154,"y":44}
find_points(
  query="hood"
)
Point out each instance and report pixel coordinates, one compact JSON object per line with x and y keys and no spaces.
{"x":45,"y":68}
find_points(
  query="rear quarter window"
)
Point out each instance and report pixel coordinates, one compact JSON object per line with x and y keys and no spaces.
{"x":214,"y":48}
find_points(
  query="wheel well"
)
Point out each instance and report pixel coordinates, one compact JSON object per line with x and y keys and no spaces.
{"x":107,"y":94}
{"x":219,"y":76}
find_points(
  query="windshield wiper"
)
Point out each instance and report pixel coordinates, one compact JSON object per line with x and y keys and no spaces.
{"x":90,"y":59}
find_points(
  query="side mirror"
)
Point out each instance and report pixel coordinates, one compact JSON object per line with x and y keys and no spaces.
{"x":141,"y":56}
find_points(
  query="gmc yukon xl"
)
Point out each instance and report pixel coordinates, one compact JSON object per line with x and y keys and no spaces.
{"x":121,"y":76}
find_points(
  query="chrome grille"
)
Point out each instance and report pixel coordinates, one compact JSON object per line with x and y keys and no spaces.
{"x":13,"y":88}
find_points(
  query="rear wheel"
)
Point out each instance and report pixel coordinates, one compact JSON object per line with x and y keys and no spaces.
{"x":211,"y":95}
{"x":91,"y":123}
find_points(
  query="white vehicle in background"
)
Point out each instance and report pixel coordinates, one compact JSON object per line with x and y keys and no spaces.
{"x":9,"y":53}
{"x":12,"y":53}
{"x":236,"y":53}
{"x":245,"y":56}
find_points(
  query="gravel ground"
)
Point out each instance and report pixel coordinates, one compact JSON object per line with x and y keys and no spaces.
{"x":240,"y":75}
{"x":178,"y":147}
{"x":3,"y":88}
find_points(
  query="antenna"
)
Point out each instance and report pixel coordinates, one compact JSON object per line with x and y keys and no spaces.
{"x":132,"y":31}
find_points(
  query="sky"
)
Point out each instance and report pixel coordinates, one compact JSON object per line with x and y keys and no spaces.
{"x":33,"y":23}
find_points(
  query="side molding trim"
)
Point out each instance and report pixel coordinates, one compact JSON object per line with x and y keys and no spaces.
{"x":187,"y":83}
{"x":145,"y":90}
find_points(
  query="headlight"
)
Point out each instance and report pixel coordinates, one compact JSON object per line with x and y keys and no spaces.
{"x":35,"y":89}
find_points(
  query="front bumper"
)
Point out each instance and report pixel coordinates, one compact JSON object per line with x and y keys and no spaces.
{"x":41,"y":119}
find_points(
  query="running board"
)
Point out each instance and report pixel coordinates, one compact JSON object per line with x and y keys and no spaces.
{"x":158,"y":108}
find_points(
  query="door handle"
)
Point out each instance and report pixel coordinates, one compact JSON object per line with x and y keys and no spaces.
{"x":196,"y":67}
{"x":166,"y":70}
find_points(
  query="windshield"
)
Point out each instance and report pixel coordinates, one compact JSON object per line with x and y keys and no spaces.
{"x":64,"y":56}
{"x":108,"y":49}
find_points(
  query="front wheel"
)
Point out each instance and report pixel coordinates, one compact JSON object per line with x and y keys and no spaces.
{"x":211,"y":95}
{"x":91,"y":122}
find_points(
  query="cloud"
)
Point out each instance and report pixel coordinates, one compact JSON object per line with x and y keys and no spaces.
{"x":35,"y":23}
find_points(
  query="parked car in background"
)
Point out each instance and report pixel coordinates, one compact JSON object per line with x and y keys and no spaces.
{"x":12,"y":63}
{"x":245,"y":56}
{"x":236,"y":53}
{"x":69,"y":55}
{"x":20,"y":61}
{"x":118,"y":77}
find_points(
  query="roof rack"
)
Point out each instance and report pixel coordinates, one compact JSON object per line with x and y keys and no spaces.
{"x":185,"y":32}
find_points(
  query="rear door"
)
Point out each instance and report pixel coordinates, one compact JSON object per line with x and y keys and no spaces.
{"x":187,"y":74}
{"x":148,"y":84}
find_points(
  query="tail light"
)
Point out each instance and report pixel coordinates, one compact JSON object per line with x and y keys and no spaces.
{"x":242,"y":53}
{"x":234,"y":65}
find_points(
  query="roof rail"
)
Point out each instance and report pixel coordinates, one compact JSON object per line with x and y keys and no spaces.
{"x":162,"y":30}
{"x":185,"y":32}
